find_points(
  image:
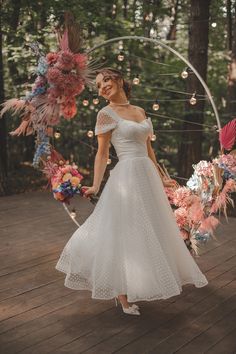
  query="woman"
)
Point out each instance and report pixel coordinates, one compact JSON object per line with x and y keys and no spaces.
{"x":130,"y":247}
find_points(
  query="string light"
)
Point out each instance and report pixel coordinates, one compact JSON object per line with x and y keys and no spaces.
{"x":184,"y":74}
{"x":121,"y":56}
{"x":193,"y":99}
{"x":214,"y":24}
{"x":136,"y":80}
{"x":155,"y":106}
{"x":154,"y":137}
{"x":113,"y":9}
{"x":120,"y":45}
{"x":73,"y":213}
{"x":57,"y":134}
{"x":85,"y":102}
{"x":90,"y":133}
{"x":96,"y":101}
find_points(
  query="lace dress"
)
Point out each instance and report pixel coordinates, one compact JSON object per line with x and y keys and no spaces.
{"x":130,"y":244}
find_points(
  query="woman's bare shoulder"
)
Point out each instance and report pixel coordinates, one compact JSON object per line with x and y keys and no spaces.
{"x":138,"y":109}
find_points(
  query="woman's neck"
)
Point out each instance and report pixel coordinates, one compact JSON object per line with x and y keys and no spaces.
{"x":119,"y":100}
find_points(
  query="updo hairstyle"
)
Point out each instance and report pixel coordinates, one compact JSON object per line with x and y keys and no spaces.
{"x":116,"y":75}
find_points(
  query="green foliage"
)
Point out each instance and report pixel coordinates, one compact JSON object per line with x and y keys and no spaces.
{"x":27,"y":21}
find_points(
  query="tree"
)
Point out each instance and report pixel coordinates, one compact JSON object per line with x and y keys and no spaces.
{"x":231,"y":92}
{"x":190,"y":150}
{"x":3,"y":139}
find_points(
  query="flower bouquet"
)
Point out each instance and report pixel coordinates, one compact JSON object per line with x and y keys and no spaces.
{"x":206,"y":193}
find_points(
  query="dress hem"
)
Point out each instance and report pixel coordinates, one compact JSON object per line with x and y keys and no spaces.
{"x":69,"y":285}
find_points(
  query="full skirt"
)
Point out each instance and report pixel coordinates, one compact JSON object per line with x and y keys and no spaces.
{"x":130,"y":244}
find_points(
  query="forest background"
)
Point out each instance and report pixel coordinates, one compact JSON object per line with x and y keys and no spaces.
{"x":203,"y":31}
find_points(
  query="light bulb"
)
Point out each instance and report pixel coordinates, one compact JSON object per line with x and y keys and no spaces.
{"x":136,"y":80}
{"x":154,"y":137}
{"x":73,"y":213}
{"x":85,"y":102}
{"x":90,"y":133}
{"x":121,"y":56}
{"x":214,"y":24}
{"x":95,"y":101}
{"x":108,"y":161}
{"x":193,"y":100}
{"x":155,"y":106}
{"x":184,"y":74}
{"x":57,"y":134}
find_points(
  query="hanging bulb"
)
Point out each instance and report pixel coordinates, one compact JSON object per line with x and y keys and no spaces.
{"x":121,"y":56}
{"x":120,"y":45}
{"x":90,"y":133}
{"x":155,"y":106}
{"x":57,"y":134}
{"x":108,"y":161}
{"x":96,"y":100}
{"x":184,"y":74}
{"x":73,"y":213}
{"x":154,"y":137}
{"x":85,"y":102}
{"x":136,"y":80}
{"x":193,"y":99}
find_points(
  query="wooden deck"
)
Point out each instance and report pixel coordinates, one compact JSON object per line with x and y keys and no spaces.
{"x":38,"y":315}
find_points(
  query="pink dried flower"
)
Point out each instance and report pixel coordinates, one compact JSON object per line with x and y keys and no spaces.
{"x":170,"y":194}
{"x":180,"y":196}
{"x":81,"y":60}
{"x":51,"y":57}
{"x":54,"y":76}
{"x":209,"y":224}
{"x":185,"y":234}
{"x":181,"y":217}
{"x":69,"y":109}
{"x":65,"y":60}
{"x":204,"y":168}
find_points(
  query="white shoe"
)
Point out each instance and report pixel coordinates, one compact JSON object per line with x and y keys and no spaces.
{"x":131,"y":310}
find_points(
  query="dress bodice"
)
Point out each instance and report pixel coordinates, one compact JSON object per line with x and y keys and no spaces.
{"x":128,"y":137}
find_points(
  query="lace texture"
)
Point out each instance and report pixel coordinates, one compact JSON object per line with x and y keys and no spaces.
{"x":130,"y":244}
{"x":104,"y":123}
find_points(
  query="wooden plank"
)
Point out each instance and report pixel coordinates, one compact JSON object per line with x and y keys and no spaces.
{"x":144,"y":333}
{"x":43,"y":316}
{"x":62,"y":337}
{"x":196,"y":326}
{"x":214,"y":273}
{"x":226,"y":344}
{"x":32,"y":343}
{"x":210,"y":337}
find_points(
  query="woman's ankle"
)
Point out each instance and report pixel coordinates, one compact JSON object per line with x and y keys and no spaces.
{"x":123,"y":300}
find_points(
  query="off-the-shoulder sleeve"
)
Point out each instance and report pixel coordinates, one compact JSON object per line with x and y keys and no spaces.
{"x":151,"y":127}
{"x":104,"y":123}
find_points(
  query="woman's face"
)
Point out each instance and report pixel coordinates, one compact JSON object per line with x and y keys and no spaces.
{"x":107,"y":86}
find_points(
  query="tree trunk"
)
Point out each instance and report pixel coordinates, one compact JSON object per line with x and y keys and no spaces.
{"x":172,"y":32}
{"x":231,"y":99}
{"x":3,"y":138}
{"x":190,"y":150}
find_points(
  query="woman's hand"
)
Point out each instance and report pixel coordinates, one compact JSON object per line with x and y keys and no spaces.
{"x":170,"y":183}
{"x":87,"y":191}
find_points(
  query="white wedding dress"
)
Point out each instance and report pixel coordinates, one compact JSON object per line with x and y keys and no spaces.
{"x":130,"y":244}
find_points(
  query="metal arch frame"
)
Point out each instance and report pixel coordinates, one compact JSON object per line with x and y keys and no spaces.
{"x":156,"y":41}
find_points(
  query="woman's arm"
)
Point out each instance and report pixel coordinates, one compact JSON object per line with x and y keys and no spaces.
{"x":100,"y":162}
{"x":167,"y":183}
{"x":152,"y":155}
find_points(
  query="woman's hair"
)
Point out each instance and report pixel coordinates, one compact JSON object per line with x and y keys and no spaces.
{"x":116,"y":75}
